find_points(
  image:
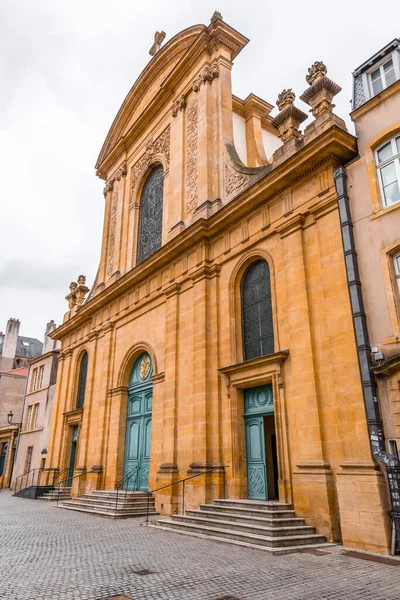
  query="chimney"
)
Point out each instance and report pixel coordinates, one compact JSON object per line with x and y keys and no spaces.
{"x":48,"y":343}
{"x":10,"y":344}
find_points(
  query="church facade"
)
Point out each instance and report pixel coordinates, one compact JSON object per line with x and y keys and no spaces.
{"x":218,"y":333}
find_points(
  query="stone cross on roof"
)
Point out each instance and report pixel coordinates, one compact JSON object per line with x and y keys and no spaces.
{"x":158,"y":40}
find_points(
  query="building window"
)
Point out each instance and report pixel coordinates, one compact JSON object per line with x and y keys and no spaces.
{"x":34,"y":380}
{"x":382,"y":76}
{"x":3,"y":457}
{"x":80,"y":398}
{"x":388,"y":165}
{"x":28,"y":459}
{"x":258,"y":331}
{"x":151,"y":211}
{"x":396,"y":262}
{"x":35,"y":415}
{"x":29,"y":417}
{"x":41,"y":374}
{"x":43,"y":463}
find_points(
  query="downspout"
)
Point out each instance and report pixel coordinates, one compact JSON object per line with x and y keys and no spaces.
{"x":374,"y":420}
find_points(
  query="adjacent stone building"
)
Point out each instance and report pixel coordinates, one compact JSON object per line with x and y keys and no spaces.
{"x":15,"y":352}
{"x":35,"y":422}
{"x":219,"y":330}
{"x":373,"y":187}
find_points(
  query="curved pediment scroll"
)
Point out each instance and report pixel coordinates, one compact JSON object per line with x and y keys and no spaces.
{"x":238,"y":177}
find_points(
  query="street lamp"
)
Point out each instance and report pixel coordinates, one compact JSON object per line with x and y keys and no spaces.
{"x":10,"y":416}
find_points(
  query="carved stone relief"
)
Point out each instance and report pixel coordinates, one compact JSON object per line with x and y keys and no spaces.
{"x":191,"y":157}
{"x":111,"y":230}
{"x":160,"y":145}
{"x":234,"y":180}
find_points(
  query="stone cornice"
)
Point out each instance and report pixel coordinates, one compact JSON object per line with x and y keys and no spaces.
{"x":277,"y":357}
{"x":158,"y":378}
{"x":333,"y":145}
{"x":118,"y":391}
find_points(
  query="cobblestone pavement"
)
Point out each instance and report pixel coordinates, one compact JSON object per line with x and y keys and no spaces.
{"x":49,"y":553}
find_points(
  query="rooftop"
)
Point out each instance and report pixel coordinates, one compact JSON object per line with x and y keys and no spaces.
{"x":20,"y":372}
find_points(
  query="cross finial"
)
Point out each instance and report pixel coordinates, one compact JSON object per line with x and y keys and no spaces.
{"x":158,"y":40}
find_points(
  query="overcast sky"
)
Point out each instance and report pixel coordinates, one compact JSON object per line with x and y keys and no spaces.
{"x":65,"y":68}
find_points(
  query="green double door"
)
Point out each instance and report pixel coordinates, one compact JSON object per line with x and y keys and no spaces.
{"x":260,"y":450}
{"x":138,"y":427}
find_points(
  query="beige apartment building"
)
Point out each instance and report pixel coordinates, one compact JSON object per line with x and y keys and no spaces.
{"x":30,"y":460}
{"x":373,"y":183}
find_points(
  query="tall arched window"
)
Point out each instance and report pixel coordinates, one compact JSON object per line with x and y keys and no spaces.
{"x":80,"y":397}
{"x":151,"y":210}
{"x":258,"y":330}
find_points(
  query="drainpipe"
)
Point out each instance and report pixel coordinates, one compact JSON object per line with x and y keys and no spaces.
{"x":374,"y":420}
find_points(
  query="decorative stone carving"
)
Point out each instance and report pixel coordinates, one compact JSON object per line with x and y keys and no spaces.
{"x":317,"y":70}
{"x":234,"y":180}
{"x":289,"y":118}
{"x":77,"y":292}
{"x":285,"y":98}
{"x":144,"y":367}
{"x":111,"y":231}
{"x":179,"y":104}
{"x":215,"y":16}
{"x":108,"y":187}
{"x":159,"y":37}
{"x":321,"y":91}
{"x":207,"y":74}
{"x":160,"y":145}
{"x":122,"y":171}
{"x":191,"y":157}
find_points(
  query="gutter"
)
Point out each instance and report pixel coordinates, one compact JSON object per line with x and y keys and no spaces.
{"x":369,"y":387}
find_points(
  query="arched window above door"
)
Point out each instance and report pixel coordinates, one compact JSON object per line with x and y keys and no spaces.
{"x":257,"y":322}
{"x":151,"y":212}
{"x":80,"y":396}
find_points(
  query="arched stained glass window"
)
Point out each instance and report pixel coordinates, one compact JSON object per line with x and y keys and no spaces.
{"x":258,"y":330}
{"x":151,"y":210}
{"x":80,"y":397}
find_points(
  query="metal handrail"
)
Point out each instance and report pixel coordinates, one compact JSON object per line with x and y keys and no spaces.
{"x":120,"y":484}
{"x":182,"y":481}
{"x":58,"y":475}
{"x":31,"y":474}
{"x":74,"y":477}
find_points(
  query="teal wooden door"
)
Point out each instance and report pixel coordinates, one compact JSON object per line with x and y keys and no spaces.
{"x":258,"y":402}
{"x":138,"y":425}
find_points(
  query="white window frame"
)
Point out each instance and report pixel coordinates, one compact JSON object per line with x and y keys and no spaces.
{"x":34,"y":379}
{"x":35,"y":415}
{"x":368,"y":89}
{"x":41,"y":375}
{"x":396,"y":263}
{"x":29,"y":417}
{"x":395,"y":158}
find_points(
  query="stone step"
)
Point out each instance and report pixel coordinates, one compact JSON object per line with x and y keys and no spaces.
{"x":238,"y":517}
{"x":111,"y":515}
{"x":267,"y":505}
{"x":284,"y":514}
{"x":276,"y":551}
{"x":54,"y":497}
{"x":233,"y":534}
{"x":261,"y":528}
{"x":100,"y":507}
{"x":113,"y":493}
{"x":113,"y":500}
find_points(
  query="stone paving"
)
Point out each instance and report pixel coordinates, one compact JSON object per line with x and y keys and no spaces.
{"x":49,"y":553}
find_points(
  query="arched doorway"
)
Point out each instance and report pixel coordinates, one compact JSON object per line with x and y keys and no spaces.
{"x":138,"y":424}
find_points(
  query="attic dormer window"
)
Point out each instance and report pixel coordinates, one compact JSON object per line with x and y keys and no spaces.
{"x":382,"y":77}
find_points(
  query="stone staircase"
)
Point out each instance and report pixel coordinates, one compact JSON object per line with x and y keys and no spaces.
{"x":103,"y":503}
{"x":60,"y":494}
{"x":270,"y":525}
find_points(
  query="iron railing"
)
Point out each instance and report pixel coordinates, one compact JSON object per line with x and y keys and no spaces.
{"x":35,"y":477}
{"x":182,"y":481}
{"x":69,"y":479}
{"x":125,"y":481}
{"x":58,"y":475}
